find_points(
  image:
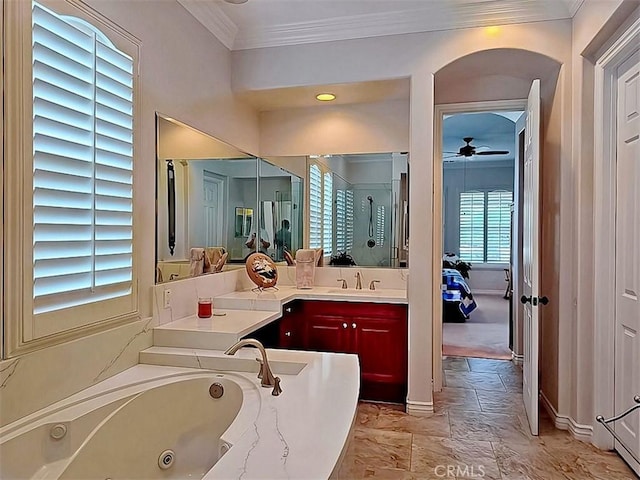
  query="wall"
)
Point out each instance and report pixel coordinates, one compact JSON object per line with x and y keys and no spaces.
{"x":184,"y":73}
{"x":594,"y":26}
{"x":418,"y":56}
{"x":355,"y":128}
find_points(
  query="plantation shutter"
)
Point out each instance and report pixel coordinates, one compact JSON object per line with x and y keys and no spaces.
{"x":315,"y":207}
{"x":498,"y":226}
{"x":327,"y":214}
{"x":472,"y":226}
{"x":341,"y":218}
{"x":349,"y":219}
{"x":82,"y":164}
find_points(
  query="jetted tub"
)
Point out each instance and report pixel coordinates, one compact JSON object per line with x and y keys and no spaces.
{"x":168,"y":427}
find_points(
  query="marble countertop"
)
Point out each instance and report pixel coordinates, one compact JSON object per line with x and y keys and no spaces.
{"x":273,"y":299}
{"x":240,"y":313}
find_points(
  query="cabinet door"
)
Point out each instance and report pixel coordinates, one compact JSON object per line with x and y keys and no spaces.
{"x":291,"y":327}
{"x":382,"y":348}
{"x":327,"y":333}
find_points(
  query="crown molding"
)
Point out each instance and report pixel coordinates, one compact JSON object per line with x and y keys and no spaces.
{"x":424,"y":19}
{"x":573,"y":6}
{"x":214,"y":19}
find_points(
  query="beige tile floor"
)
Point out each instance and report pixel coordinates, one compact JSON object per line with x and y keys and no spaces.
{"x":478,"y":431}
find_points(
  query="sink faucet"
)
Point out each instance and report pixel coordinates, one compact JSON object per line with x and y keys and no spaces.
{"x":372,"y":285}
{"x":266,"y":376}
{"x":358,"y":281}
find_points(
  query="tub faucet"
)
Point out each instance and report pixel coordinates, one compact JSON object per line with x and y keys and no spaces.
{"x":358,"y":281}
{"x":265,"y":375}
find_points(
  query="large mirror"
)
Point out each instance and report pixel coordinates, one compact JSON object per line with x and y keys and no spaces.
{"x":358,"y":208}
{"x":280,"y":209}
{"x":213,"y":183}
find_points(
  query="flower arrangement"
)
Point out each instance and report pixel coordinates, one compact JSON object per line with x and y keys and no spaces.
{"x":342,"y":259}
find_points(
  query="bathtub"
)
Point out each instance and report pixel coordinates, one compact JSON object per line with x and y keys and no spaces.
{"x":167,"y":425}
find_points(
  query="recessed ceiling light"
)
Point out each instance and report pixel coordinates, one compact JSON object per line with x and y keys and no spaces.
{"x":325,"y":97}
{"x":236,"y":2}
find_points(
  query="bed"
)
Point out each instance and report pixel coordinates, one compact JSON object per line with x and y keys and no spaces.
{"x":457,"y":299}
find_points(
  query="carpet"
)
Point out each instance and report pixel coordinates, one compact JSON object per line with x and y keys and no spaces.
{"x":485,"y":334}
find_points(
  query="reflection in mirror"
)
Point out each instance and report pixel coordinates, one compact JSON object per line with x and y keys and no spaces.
{"x":358,"y":207}
{"x":281,"y":212}
{"x":212,"y":180}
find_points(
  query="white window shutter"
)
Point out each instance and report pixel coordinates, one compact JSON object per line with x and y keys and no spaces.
{"x":315,"y":207}
{"x":327,"y":214}
{"x":83,"y":164}
{"x":472,"y":226}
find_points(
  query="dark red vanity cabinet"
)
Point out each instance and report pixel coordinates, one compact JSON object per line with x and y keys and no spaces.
{"x":377,"y":333}
{"x":290,"y":325}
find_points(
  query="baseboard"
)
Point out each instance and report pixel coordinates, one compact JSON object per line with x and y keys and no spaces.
{"x":417,"y":408}
{"x":580,"y":432}
{"x":517,"y":359}
{"x":487,"y":292}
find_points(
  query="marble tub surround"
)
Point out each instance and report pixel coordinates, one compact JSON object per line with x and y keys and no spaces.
{"x":29,"y":383}
{"x":476,"y":432}
{"x":299,"y":434}
{"x":185,"y":293}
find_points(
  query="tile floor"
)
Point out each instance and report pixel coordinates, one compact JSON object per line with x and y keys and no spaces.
{"x":478,"y":431}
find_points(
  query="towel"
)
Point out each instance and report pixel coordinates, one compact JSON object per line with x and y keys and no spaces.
{"x":220,"y":263}
{"x":213,"y":255}
{"x":197,"y":260}
{"x":319,"y":255}
{"x":305,"y":268}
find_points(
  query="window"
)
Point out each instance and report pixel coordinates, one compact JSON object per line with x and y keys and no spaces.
{"x":320,"y":209}
{"x":76,"y":198}
{"x":344,"y":220}
{"x":485,"y":226}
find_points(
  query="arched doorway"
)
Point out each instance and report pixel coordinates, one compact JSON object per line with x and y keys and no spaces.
{"x":491,"y":80}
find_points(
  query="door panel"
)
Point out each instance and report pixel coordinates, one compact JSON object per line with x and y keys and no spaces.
{"x":530,"y":249}
{"x":627,"y":288}
{"x":328,"y":334}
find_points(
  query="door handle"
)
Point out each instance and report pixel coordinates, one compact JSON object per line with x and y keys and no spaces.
{"x":534,"y":301}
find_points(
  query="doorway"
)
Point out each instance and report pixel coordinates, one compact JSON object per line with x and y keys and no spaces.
{"x":443,"y":112}
{"x":479,"y":186}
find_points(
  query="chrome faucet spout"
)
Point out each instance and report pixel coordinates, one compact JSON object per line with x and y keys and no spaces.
{"x":266,"y":376}
{"x":358,"y":281}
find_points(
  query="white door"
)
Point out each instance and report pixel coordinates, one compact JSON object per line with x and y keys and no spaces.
{"x":212,"y":206}
{"x":530,"y":249}
{"x":627,"y":288}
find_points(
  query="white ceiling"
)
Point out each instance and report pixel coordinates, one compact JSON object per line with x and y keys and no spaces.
{"x":268,"y":23}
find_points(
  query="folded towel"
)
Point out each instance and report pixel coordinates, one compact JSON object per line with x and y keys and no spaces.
{"x":319,"y":256}
{"x":197,"y":261}
{"x":305,"y":268}
{"x":220,"y":263}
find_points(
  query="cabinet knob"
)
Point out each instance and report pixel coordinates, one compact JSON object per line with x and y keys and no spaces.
{"x":353,"y":325}
{"x":288,"y":309}
{"x":344,"y":325}
{"x":287,"y":334}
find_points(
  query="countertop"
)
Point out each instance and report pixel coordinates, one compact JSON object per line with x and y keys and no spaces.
{"x":240,"y":313}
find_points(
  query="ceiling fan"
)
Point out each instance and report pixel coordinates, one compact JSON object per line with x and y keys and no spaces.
{"x":470,"y":150}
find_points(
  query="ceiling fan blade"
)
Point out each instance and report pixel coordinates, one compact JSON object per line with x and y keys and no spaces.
{"x":450,"y":156}
{"x":493,"y":152}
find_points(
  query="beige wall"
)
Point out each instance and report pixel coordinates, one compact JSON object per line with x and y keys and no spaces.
{"x":355,"y":128}
{"x":184,"y":73}
{"x":594,"y":26}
